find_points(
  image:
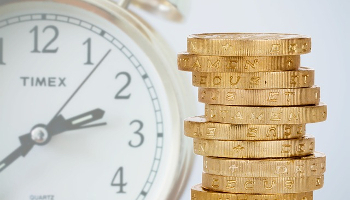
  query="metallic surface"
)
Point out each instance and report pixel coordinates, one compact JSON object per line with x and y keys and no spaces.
{"x":203,"y":63}
{"x":199,"y":127}
{"x":255,"y":149}
{"x":266,"y":115}
{"x":265,"y":97}
{"x":199,"y":193}
{"x":313,"y":165}
{"x":248,"y":44}
{"x":175,"y":10}
{"x":262,"y":185}
{"x":304,"y":77}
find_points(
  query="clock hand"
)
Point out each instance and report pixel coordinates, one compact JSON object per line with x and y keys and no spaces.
{"x":42,"y":134}
{"x":93,"y":70}
{"x":59,"y":124}
{"x":26,"y":145}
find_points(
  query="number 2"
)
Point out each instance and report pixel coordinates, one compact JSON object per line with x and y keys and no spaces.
{"x":118,"y":95}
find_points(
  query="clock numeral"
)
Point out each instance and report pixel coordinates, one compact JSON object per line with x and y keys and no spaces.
{"x":88,"y":43}
{"x":47,"y":46}
{"x":1,"y":52}
{"x":142,"y":138}
{"x":35,"y":30}
{"x":118,"y":180}
{"x":118,"y":95}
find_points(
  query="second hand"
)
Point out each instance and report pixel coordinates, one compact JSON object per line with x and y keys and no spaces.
{"x":93,"y":70}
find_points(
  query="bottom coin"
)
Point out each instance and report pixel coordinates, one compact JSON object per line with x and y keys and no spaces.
{"x":198,"y":193}
{"x":262,"y":185}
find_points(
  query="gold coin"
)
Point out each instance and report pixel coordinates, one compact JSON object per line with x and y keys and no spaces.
{"x":255,"y":149}
{"x":304,"y":77}
{"x":262,"y":185}
{"x":199,"y":127}
{"x":248,"y":44}
{"x":266,"y":97}
{"x":202,"y":63}
{"x":313,"y":165}
{"x":266,"y":115}
{"x":199,"y":193}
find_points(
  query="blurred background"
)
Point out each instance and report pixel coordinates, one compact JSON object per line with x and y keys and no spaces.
{"x":328,"y":23}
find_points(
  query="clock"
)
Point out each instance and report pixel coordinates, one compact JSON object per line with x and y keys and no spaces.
{"x":91,"y":104}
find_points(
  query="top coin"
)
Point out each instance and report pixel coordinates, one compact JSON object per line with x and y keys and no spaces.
{"x":248,"y":44}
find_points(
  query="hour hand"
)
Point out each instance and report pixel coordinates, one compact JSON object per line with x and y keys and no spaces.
{"x":59,"y":124}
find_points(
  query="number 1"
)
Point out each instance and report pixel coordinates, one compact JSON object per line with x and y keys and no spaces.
{"x":88,"y":42}
{"x":1,"y":52}
{"x":35,"y":30}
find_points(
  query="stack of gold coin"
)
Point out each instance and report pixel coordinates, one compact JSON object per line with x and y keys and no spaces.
{"x":258,"y":100}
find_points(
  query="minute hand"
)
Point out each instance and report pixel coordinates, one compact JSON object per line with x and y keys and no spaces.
{"x":26,"y":145}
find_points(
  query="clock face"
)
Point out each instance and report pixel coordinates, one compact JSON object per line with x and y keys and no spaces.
{"x":84,"y":112}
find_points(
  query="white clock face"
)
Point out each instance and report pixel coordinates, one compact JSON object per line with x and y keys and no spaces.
{"x":84,"y":114}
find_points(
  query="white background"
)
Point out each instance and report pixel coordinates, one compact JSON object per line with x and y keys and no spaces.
{"x":328,"y":23}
